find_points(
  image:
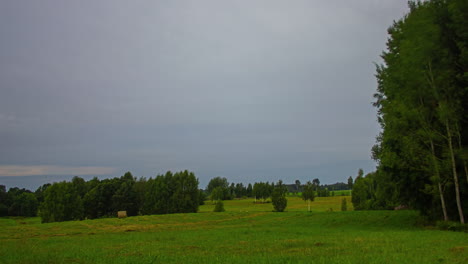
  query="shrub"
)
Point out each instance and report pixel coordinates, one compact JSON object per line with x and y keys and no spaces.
{"x":278,"y":197}
{"x":219,"y":207}
{"x":452,"y":226}
{"x":279,"y":203}
{"x":344,"y":206}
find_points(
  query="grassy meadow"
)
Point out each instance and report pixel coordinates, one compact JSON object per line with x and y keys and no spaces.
{"x":245,"y":233}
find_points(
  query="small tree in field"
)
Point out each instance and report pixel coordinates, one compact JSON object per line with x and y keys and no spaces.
{"x":278,"y":197}
{"x":308,"y":193}
{"x":219,"y":207}
{"x":344,"y":207}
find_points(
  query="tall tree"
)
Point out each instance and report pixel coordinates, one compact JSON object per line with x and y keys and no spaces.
{"x":421,"y":108}
{"x":308,"y":193}
{"x":350,"y":182}
{"x":219,"y":182}
{"x":61,"y":203}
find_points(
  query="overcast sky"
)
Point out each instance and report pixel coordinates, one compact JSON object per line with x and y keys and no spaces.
{"x":247,"y":90}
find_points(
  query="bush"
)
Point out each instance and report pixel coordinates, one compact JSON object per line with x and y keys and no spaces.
{"x":452,"y":226}
{"x":219,"y":207}
{"x":279,"y":203}
{"x":344,"y":206}
{"x":278,"y":197}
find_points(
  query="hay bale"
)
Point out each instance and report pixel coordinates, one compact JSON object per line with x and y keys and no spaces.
{"x":122,"y":214}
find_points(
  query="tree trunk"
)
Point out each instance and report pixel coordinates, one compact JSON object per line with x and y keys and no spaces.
{"x":460,"y":147}
{"x":309,"y":204}
{"x":455,"y":175}
{"x":441,"y":193}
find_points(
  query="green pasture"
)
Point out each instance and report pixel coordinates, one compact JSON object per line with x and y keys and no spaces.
{"x":320,"y":204}
{"x":245,"y":233}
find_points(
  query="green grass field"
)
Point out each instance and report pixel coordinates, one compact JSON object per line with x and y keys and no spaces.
{"x":245,"y":233}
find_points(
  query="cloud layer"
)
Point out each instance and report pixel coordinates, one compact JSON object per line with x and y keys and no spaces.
{"x":15,"y":170}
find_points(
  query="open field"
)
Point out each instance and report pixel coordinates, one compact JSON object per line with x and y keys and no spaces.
{"x":245,"y":233}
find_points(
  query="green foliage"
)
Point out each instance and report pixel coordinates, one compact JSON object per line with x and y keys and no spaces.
{"x":344,"y":206}
{"x":18,"y":202}
{"x":422,"y":109}
{"x":40,"y":192}
{"x":217,"y":194}
{"x":24,"y":204}
{"x":61,"y":203}
{"x":452,"y":226}
{"x":322,"y":192}
{"x":172,"y":193}
{"x":3,"y":201}
{"x":278,"y":197}
{"x":262,"y":190}
{"x":249,"y":191}
{"x":308,"y":193}
{"x":350,"y":182}
{"x":169,"y":193}
{"x":219,"y":207}
{"x":223,"y":184}
{"x":201,"y":197}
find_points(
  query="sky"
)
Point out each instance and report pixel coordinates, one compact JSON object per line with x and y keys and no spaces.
{"x":250,"y":90}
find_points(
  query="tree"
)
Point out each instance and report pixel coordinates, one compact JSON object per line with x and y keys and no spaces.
{"x":278,"y":197}
{"x":316,"y":182}
{"x":363,"y":192}
{"x":262,"y":190}
{"x":350,"y":182}
{"x":3,"y":201}
{"x":61,"y":203}
{"x":219,"y":182}
{"x":308,"y":193}
{"x":185,"y":193}
{"x":421,"y":103}
{"x":249,"y":190}
{"x":125,"y":198}
{"x":219,"y":207}
{"x":360,"y":173}
{"x":298,"y":185}
{"x":172,"y":193}
{"x":344,"y":206}
{"x":79,"y":184}
{"x":24,"y":204}
{"x":201,"y":197}
{"x":217,"y":194}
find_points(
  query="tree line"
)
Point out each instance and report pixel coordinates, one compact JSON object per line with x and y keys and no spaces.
{"x":422,"y":99}
{"x":165,"y":194}
{"x":79,"y":199}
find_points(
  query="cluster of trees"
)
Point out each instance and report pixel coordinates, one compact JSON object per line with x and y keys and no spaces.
{"x":219,"y":189}
{"x":164,"y":194}
{"x":422,"y":100}
{"x":80,"y":199}
{"x":263,"y":190}
{"x":17,"y":202}
{"x":338,"y":186}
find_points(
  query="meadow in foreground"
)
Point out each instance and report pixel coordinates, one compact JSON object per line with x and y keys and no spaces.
{"x":245,"y":233}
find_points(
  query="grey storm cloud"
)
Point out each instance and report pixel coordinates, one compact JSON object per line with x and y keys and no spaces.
{"x":249,"y":90}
